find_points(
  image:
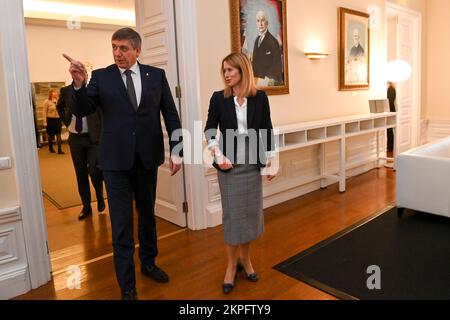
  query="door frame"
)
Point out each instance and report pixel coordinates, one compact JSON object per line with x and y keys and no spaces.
{"x":189,"y":71}
{"x":25,"y":157}
{"x":185,"y":54}
{"x":156,"y":25}
{"x":416,"y":77}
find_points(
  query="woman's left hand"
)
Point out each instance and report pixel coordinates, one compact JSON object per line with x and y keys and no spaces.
{"x":175,"y":164}
{"x":271,"y":174}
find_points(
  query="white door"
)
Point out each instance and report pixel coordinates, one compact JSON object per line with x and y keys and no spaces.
{"x":406,"y":47}
{"x":404,"y":89}
{"x":156,"y":24}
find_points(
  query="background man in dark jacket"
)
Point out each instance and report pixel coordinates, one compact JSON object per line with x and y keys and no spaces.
{"x":391,"y":95}
{"x":84,"y":138}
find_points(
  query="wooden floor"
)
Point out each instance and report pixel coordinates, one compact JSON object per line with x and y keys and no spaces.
{"x":72,"y":242}
{"x":196,"y":261}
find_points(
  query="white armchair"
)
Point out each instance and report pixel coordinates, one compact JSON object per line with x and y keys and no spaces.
{"x":423,"y":178}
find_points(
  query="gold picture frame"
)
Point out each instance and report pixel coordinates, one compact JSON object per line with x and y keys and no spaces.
{"x":269,"y":56}
{"x":354,"y":50}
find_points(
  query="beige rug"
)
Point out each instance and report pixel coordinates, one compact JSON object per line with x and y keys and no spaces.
{"x":59,"y":182}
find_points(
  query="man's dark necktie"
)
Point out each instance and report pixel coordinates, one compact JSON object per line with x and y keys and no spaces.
{"x":79,"y":124}
{"x":130,"y":89}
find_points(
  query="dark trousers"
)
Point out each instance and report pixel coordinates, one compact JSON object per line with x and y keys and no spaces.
{"x":85,"y":161}
{"x":390,"y":139}
{"x":122,"y":186}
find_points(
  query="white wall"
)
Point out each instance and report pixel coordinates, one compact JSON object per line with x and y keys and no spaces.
{"x":438,"y":64}
{"x":314,"y":91}
{"x":47,"y":43}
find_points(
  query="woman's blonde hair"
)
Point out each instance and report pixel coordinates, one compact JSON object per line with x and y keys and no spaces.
{"x":50,"y":93}
{"x":240,"y":62}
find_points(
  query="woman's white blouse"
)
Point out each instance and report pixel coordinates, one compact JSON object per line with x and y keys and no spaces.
{"x":241,"y":115}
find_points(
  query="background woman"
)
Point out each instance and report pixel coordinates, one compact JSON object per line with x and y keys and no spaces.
{"x":243,"y":115}
{"x":52,"y":121}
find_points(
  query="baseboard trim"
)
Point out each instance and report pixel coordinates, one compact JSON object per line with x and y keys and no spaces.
{"x":14,"y":282}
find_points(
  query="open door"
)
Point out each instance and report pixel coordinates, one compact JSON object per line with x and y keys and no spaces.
{"x":403,"y":34}
{"x":155,"y":21}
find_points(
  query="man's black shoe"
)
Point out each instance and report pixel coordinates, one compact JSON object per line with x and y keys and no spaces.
{"x":155,"y":273}
{"x":101,"y":206}
{"x":129,"y":295}
{"x":84,"y":214}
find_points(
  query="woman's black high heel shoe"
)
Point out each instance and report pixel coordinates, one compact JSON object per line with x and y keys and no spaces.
{"x":250,"y":277}
{"x":228,"y":287}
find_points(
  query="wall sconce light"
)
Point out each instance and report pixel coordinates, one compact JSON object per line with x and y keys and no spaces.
{"x":316,"y":55}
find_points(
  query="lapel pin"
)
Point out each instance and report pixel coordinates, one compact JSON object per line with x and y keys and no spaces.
{"x":147,"y":75}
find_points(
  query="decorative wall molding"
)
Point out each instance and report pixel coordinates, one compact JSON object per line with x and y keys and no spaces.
{"x":8,"y":246}
{"x":14,"y":277}
{"x":8,"y":215}
{"x":438,"y":129}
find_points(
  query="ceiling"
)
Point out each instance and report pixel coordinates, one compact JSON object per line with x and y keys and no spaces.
{"x":108,"y":12}
{"x":111,"y":4}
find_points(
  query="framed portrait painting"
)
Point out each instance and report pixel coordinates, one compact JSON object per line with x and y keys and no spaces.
{"x":258,"y":29}
{"x":354,"y":50}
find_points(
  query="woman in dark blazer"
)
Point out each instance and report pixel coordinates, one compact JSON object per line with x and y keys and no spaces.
{"x":246,"y":147}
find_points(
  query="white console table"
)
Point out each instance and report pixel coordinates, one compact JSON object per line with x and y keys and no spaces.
{"x":306,"y":134}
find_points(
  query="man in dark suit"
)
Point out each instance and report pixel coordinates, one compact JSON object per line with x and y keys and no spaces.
{"x":266,"y":59}
{"x":391,"y":95}
{"x":84,"y":137}
{"x":131,"y":96}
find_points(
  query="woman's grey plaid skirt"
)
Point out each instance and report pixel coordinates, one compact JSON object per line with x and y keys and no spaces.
{"x":242,"y":211}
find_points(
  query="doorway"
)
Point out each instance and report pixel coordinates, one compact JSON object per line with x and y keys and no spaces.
{"x":403,"y":33}
{"x":90,"y":239}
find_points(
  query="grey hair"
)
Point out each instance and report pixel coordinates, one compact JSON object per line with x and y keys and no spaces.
{"x":130,"y":35}
{"x":263,"y":13}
